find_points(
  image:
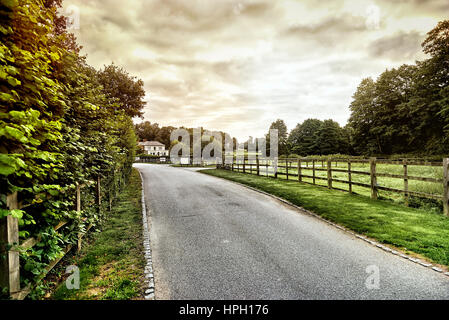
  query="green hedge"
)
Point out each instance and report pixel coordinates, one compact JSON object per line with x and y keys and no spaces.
{"x":58,"y":129}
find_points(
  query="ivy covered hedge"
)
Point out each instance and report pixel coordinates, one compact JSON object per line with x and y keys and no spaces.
{"x":62,"y":124}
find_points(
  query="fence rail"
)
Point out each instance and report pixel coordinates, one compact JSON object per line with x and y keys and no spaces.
{"x":295,"y":168}
{"x":11,"y":245}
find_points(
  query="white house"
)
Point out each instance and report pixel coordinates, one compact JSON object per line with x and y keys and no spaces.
{"x":154,"y":148}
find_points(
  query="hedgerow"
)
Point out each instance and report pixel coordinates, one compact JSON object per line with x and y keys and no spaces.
{"x":59,"y":128}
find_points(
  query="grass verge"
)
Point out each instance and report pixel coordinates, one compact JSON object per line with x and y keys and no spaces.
{"x":111,"y":266}
{"x":411,"y":230}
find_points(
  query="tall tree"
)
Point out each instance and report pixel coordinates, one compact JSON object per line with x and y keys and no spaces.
{"x":127,"y":89}
{"x":282,"y":136}
{"x":303,"y":138}
{"x":406,"y":109}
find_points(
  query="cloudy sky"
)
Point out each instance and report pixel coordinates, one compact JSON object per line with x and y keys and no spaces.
{"x":237,"y":66}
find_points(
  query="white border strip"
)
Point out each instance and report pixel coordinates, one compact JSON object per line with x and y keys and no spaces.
{"x":149,"y":275}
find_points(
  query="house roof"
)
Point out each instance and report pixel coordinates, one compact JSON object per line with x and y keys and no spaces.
{"x":151,"y":143}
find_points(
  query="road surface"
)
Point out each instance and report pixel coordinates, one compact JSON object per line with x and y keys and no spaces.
{"x":213,"y":239}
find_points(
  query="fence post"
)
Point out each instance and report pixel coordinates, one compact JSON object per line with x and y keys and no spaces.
{"x":313,"y":170}
{"x":78,"y":198}
{"x":98,"y":195}
{"x":406,"y":182}
{"x":78,"y":209}
{"x":286,"y":168}
{"x":275,"y":167}
{"x":446,"y":186}
{"x":110,"y":200}
{"x":9,"y":258}
{"x":266,"y":166}
{"x":299,"y":171}
{"x":244,"y":164}
{"x":349,"y":176}
{"x":372,"y":163}
{"x":329,"y":173}
{"x":257,"y":164}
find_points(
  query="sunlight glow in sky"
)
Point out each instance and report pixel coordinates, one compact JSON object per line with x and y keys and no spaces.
{"x":236,"y":66}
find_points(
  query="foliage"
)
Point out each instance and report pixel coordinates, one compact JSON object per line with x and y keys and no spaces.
{"x":59,"y":127}
{"x":316,"y":137}
{"x":406,"y":110}
{"x":126,"y":89}
{"x":110,"y":265}
{"x":152,"y":132}
{"x":282,"y":136}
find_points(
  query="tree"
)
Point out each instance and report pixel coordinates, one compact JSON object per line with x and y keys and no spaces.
{"x":147,"y":130}
{"x":128,"y":90}
{"x":406,"y":109}
{"x":58,"y":128}
{"x":303,"y":138}
{"x":282,"y":136}
{"x":329,"y":138}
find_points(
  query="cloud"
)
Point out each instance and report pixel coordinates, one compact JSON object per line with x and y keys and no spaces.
{"x":398,"y":47}
{"x":237,"y":65}
{"x":332,"y":25}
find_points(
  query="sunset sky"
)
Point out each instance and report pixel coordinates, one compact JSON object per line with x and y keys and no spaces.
{"x":236,"y":66}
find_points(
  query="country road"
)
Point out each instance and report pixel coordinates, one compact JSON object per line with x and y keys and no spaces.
{"x":213,"y":239}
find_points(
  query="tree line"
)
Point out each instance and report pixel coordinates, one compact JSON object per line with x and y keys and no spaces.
{"x":404,"y":111}
{"x":62,"y":124}
{"x":153,"y":132}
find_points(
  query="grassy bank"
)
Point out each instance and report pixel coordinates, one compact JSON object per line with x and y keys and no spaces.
{"x":111,"y":265}
{"x":412,"y":230}
{"x":395,"y":183}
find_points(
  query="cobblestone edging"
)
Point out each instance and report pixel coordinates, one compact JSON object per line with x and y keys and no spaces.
{"x":149,"y":274}
{"x":370,"y":241}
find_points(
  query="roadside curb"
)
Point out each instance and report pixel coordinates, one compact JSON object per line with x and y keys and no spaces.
{"x":370,"y":241}
{"x":149,"y":274}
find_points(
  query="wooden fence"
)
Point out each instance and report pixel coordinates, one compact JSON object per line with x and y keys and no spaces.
{"x":11,"y":246}
{"x":298,"y":169}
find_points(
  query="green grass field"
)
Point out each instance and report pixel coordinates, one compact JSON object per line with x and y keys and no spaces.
{"x":413,"y":185}
{"x":111,"y":266}
{"x":412,"y":230}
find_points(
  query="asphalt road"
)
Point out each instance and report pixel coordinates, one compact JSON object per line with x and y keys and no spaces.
{"x":213,"y":239}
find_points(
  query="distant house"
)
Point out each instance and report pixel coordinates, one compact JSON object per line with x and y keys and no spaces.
{"x":154,"y":148}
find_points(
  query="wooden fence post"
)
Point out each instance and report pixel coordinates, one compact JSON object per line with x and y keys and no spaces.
{"x":286,"y":168}
{"x":266,"y":166}
{"x":313,"y":170}
{"x":78,"y":198}
{"x":110,"y":200}
{"x":405,"y":182}
{"x":257,"y":164}
{"x":275,"y":167}
{"x":372,"y":163}
{"x":244,"y":164}
{"x":329,"y":173}
{"x":446,"y":186}
{"x":9,"y":260}
{"x":98,"y":194}
{"x":349,"y":176}
{"x":78,"y":208}
{"x":299,"y":171}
